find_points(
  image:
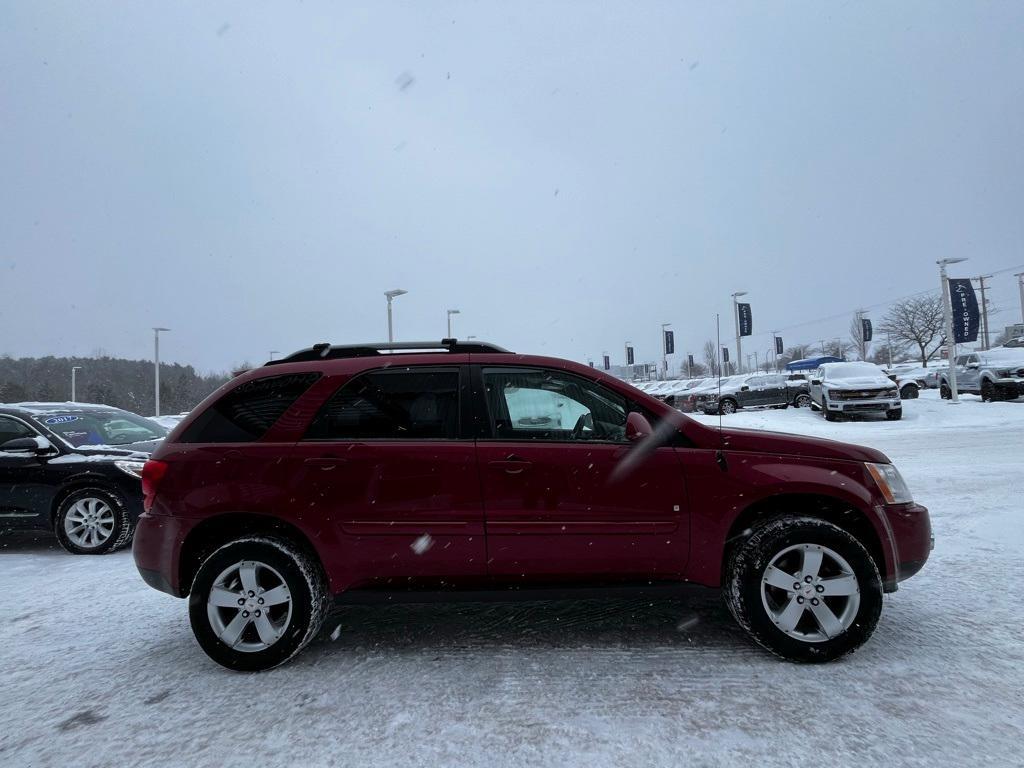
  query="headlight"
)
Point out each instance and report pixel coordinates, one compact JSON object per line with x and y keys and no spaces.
{"x":891,"y":392}
{"x":890,"y":483}
{"x":131,"y":467}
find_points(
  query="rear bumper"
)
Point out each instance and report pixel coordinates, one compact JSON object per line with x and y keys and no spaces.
{"x":156,"y":548}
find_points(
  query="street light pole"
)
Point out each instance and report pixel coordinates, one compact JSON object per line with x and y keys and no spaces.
{"x":391,"y":295}
{"x":736,"y":315}
{"x":156,"y":369}
{"x":984,"y":310}
{"x":74,"y":369}
{"x":272,"y":353}
{"x":1020,"y":285}
{"x":450,"y":313}
{"x":947,"y":316}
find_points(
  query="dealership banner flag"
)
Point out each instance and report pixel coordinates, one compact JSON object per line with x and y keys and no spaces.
{"x":629,"y":356}
{"x":670,"y":342}
{"x":867,"y":330}
{"x":966,"y":316}
{"x":689,"y":360}
{"x":725,"y":354}
{"x":746,"y":319}
{"x":778,"y":345}
{"x":607,"y":363}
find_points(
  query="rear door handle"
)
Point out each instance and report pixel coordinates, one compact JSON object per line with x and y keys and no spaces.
{"x":325,"y":462}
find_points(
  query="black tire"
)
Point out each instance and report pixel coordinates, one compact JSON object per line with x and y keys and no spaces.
{"x":803,"y":401}
{"x":909,"y":392}
{"x":815,"y":407}
{"x":308,"y":594}
{"x":727,"y":406}
{"x":830,"y":415}
{"x":894,"y":415}
{"x":748,"y":565}
{"x":945,"y":392}
{"x":988,"y":391}
{"x":119,"y":534}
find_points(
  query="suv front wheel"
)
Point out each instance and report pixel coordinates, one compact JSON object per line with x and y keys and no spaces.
{"x":805,"y":589}
{"x":256,"y":602}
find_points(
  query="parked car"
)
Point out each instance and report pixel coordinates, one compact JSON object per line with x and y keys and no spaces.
{"x":75,"y":470}
{"x":995,"y":374}
{"x":799,"y":389}
{"x":754,"y":391}
{"x":849,"y":389}
{"x":912,"y":378}
{"x":384,"y":472}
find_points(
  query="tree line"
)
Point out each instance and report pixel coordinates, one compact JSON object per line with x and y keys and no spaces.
{"x":126,"y":384}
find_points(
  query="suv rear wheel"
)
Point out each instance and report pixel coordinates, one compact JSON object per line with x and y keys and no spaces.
{"x":805,"y":589}
{"x":257,"y":602}
{"x":945,"y":392}
{"x":727,"y":406}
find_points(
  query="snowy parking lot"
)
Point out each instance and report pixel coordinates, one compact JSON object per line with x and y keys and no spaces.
{"x":99,"y":669}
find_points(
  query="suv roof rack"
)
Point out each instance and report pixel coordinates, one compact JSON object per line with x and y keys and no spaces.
{"x":327,"y":351}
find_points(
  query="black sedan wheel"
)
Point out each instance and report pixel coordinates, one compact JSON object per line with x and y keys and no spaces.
{"x":727,"y":406}
{"x":92,"y":521}
{"x":803,"y":401}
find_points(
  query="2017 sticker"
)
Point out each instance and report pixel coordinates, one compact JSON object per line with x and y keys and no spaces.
{"x":61,"y":419}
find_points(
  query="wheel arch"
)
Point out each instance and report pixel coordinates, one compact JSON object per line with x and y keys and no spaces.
{"x":214,"y":532}
{"x":832,"y":509}
{"x":81,"y":483}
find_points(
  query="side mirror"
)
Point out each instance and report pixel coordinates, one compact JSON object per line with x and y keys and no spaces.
{"x":637,"y":427}
{"x":815,"y":382}
{"x":35,"y":445}
{"x":744,"y":388}
{"x":973,"y":366}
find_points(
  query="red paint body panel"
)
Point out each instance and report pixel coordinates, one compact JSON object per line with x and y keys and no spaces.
{"x":476,"y":511}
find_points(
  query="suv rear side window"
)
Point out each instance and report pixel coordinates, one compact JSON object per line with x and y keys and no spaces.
{"x":246,"y":412}
{"x":397,"y":405}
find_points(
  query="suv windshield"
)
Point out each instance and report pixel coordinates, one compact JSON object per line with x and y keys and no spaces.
{"x":83,"y":428}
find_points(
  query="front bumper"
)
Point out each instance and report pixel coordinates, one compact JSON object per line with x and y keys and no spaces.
{"x":1010,"y":388}
{"x":864,"y":406}
{"x":912,"y":540}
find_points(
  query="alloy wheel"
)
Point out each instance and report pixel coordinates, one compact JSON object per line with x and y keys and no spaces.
{"x":90,"y":523}
{"x":249,"y":606}
{"x":810,"y":593}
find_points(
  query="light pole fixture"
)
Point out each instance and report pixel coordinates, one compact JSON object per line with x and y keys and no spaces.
{"x":74,"y":369}
{"x":391,"y":295}
{"x":156,"y":369}
{"x":450,"y":313}
{"x":947,"y":316}
{"x":736,"y":314}
{"x":272,"y":353}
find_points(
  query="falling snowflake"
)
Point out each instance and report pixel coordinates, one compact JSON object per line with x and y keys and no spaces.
{"x":422,"y":544}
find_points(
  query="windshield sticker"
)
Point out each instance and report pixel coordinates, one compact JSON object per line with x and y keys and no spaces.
{"x":61,"y":419}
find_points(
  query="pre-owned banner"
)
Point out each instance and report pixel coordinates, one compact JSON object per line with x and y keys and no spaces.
{"x":867,"y":330}
{"x":629,"y":356}
{"x":746,"y":319}
{"x":966,"y":316}
{"x":725,"y":354}
{"x":607,"y":363}
{"x":778,"y":345}
{"x":670,"y":342}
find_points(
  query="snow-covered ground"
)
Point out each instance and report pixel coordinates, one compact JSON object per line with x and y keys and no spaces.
{"x":100,"y":670}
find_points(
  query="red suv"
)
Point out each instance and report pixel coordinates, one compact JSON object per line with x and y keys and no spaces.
{"x":351,"y":473}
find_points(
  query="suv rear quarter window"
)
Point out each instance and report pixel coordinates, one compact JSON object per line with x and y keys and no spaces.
{"x":245,"y":413}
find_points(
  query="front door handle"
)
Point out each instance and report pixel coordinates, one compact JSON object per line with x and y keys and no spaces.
{"x":325,"y":462}
{"x":512,"y":465}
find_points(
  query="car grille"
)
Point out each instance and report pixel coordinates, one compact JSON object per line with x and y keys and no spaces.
{"x":856,"y":394}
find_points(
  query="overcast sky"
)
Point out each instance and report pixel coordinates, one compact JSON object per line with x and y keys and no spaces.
{"x":255,"y":176}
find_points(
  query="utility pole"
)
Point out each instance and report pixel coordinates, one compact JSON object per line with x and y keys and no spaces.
{"x":984,"y":310}
{"x":947,"y":316}
{"x":450,"y":313}
{"x":1020,"y":285}
{"x":736,"y":315}
{"x":391,"y":295}
{"x":272,"y":353}
{"x":74,"y":369}
{"x":156,"y":369}
{"x":888,"y":343}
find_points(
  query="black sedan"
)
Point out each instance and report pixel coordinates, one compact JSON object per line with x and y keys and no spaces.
{"x":74,"y":469}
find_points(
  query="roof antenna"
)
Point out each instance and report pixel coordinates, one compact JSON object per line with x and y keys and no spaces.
{"x":719,"y":455}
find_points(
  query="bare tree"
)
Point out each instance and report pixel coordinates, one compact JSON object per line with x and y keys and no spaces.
{"x":917,"y":322}
{"x":711,"y":357}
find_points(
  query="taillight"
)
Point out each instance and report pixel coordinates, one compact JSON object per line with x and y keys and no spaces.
{"x":152,"y":473}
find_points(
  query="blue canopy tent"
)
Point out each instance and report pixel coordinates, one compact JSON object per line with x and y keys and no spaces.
{"x":810,"y":363}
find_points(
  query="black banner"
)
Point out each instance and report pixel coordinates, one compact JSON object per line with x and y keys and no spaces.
{"x":629,"y":356}
{"x":866,"y":330}
{"x":670,"y":343}
{"x":779,"y":349}
{"x":746,"y":319}
{"x":725,"y":354}
{"x":607,"y":363}
{"x":966,"y":316}
{"x":689,"y":362}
